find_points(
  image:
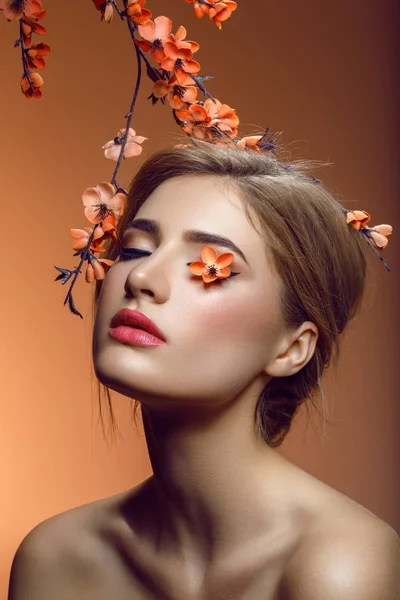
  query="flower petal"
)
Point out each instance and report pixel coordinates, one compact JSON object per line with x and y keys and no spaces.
{"x":168,"y":64}
{"x":117,"y":204}
{"x":224,"y":273}
{"x":192,"y":66}
{"x":160,"y":88}
{"x":198,"y":268}
{"x":112,"y":152}
{"x":89,"y":275}
{"x":383,"y":229}
{"x":208,"y":255}
{"x":90,"y":196}
{"x":106,"y":191}
{"x":181,"y":32}
{"x":224,"y":260}
{"x":132,"y":149}
{"x":379,"y":240}
{"x":190,"y":94}
{"x":147,"y":30}
{"x":208,"y":278}
{"x":198,"y":112}
{"x":98,"y":269}
{"x":163,"y":27}
{"x":356,"y":218}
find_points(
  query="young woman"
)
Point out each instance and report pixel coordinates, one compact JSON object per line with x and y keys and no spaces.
{"x":243,"y":273}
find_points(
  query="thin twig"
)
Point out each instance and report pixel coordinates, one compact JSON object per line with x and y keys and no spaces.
{"x":84,"y":256}
{"x":24,"y":62}
{"x":364,"y":231}
{"x":115,"y":5}
{"x":130,"y":113}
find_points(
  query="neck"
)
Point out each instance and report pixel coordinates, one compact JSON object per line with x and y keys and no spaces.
{"x":216,"y":483}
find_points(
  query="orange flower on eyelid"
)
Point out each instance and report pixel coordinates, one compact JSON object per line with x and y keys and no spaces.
{"x":357,"y":218}
{"x":212,"y":266}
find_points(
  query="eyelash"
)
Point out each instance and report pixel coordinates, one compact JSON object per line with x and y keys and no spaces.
{"x":132,"y":253}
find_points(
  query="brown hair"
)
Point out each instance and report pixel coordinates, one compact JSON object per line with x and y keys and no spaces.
{"x":319,"y":258}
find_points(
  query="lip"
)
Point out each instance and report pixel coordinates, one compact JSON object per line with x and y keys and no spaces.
{"x":128,"y":325}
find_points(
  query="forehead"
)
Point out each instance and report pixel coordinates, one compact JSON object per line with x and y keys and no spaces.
{"x":201,"y":202}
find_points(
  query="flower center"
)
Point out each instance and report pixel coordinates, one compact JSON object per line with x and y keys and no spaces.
{"x":212,"y":270}
{"x":102,"y":210}
{"x":17,"y":5}
{"x":179,"y":91}
{"x":157,"y":45}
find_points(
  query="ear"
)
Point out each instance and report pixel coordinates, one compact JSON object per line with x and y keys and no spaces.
{"x":294,"y":351}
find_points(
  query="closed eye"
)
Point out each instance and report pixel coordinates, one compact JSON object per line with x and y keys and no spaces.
{"x":132,"y":253}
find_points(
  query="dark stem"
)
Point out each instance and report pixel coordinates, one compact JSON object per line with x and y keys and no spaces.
{"x":132,"y":106}
{"x":129,"y":119}
{"x":115,"y":5}
{"x":366,"y":236}
{"x":24,"y":63}
{"x":132,"y":31}
{"x":84,"y":256}
{"x":206,"y":3}
{"x":146,"y":60}
{"x":203,"y":89}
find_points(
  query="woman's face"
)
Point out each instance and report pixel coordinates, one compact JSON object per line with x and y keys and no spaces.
{"x":219,"y":336}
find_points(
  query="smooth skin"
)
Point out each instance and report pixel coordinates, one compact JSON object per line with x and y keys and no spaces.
{"x":224,"y":516}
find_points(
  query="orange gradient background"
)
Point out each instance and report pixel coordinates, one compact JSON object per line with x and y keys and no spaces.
{"x":326,"y":74}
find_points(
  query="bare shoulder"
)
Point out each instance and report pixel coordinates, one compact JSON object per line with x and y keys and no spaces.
{"x":59,"y":555}
{"x":348,"y":552}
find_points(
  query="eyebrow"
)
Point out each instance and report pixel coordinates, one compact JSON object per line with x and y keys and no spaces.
{"x":191,"y":236}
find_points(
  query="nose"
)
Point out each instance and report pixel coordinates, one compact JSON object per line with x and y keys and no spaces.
{"x":149,"y":278}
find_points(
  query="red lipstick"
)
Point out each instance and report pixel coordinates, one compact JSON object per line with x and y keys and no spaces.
{"x":135,"y":328}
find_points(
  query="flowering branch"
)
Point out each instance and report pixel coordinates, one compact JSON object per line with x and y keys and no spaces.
{"x":115,"y":5}
{"x":20,"y":42}
{"x":129,"y":116}
{"x":66,"y":274}
{"x":376,"y":237}
{"x":28,"y":13}
{"x":367,"y":236}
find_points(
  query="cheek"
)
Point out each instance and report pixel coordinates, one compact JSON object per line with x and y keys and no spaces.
{"x":110,"y":291}
{"x":254,"y":318}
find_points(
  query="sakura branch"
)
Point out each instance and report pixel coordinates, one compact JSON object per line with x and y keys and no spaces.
{"x":28,"y":13}
{"x":376,"y":237}
{"x":175,"y":78}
